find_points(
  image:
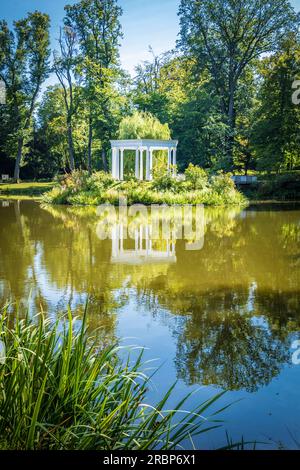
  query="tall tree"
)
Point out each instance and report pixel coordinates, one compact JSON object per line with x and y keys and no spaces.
{"x":148,"y":95}
{"x":98,"y":28}
{"x":275,"y":136}
{"x":24,"y":55}
{"x":52,"y":131}
{"x":65,"y":68}
{"x":167,"y":87}
{"x":226,"y":36}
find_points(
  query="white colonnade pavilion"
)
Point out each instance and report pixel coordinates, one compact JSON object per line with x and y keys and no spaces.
{"x":143,"y":167}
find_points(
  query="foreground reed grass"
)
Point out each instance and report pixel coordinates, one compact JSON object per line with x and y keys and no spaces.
{"x":59,"y":390}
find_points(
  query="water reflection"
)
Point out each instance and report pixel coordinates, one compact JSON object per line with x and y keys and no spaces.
{"x":236,"y":298}
{"x":232,"y":350}
{"x":145,"y":249}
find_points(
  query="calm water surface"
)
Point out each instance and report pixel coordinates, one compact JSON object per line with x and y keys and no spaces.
{"x":220,"y":314}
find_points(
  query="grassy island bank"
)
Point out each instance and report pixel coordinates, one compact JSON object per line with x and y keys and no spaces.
{"x":197,"y":187}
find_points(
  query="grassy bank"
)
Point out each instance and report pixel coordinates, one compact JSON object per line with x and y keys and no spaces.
{"x":80,"y":188}
{"x":26,"y":190}
{"x":61,"y":390}
{"x":282,"y":187}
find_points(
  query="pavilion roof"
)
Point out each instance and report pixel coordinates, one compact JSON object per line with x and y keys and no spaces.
{"x":136,"y":143}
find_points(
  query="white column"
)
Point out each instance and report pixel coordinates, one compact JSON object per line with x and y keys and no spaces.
{"x":137,"y":166}
{"x":147,"y":164}
{"x":121,"y":174}
{"x":169,"y":158}
{"x":113,"y":162}
{"x":141,"y":164}
{"x":117,"y":164}
{"x":151,"y":164}
{"x":174,"y":156}
{"x":174,"y":159}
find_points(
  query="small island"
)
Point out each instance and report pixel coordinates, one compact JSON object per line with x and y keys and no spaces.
{"x":144,"y":171}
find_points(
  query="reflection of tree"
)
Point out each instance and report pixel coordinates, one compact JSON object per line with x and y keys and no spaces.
{"x":56,"y":249}
{"x":216,"y":292}
{"x":228,"y":350}
{"x":78,"y":263}
{"x":245,"y":273}
{"x":290,"y":236}
{"x":16,"y":252}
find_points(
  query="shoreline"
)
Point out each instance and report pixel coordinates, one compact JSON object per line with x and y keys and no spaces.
{"x":22,"y":197}
{"x":35,"y":191}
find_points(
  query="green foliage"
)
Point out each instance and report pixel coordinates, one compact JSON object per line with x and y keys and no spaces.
{"x":197,"y":177}
{"x":79,"y":188}
{"x":222,"y":183}
{"x":165,"y":182}
{"x":62,"y":390}
{"x":100,"y":180}
{"x":276,"y":132}
{"x":52,"y":130}
{"x":224,"y":92}
{"x":75,"y":181}
{"x":98,"y":29}
{"x":226,"y":37}
{"x":143,"y":126}
{"x":24,"y":55}
{"x":168,"y":88}
{"x":164,"y":177}
{"x":280,"y":187}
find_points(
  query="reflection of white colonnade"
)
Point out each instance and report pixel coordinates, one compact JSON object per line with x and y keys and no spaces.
{"x":143,"y":169}
{"x":144,"y":251}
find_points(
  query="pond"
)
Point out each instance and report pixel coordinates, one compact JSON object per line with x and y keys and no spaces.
{"x":219,"y":310}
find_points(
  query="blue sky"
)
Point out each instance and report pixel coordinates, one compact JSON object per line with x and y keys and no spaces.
{"x":144,"y":22}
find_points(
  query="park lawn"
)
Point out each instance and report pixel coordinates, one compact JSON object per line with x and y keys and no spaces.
{"x":26,"y":190}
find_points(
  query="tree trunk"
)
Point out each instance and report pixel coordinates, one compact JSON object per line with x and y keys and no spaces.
{"x":247,"y":161}
{"x":104,"y":161}
{"x":18,"y":159}
{"x":231,"y":123}
{"x":21,"y":139}
{"x":71,"y":146}
{"x":89,"y":152}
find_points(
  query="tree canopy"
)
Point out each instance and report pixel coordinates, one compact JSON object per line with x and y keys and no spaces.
{"x":143,"y":125}
{"x":224,"y":92}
